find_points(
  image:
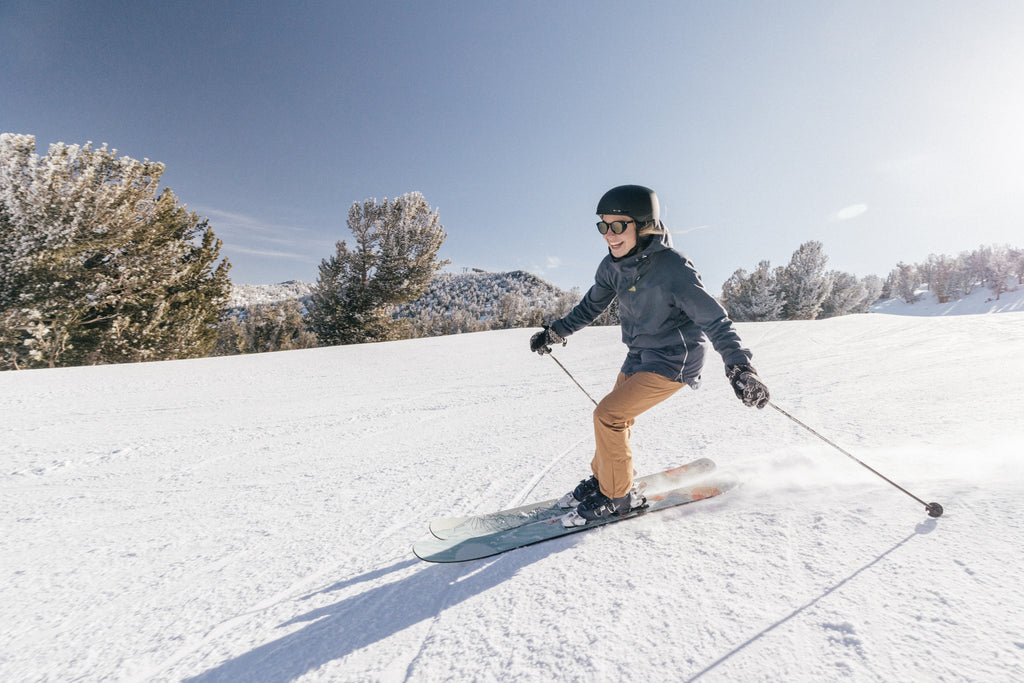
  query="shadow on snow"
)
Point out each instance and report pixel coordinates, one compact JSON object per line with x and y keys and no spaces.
{"x":336,"y":631}
{"x":921,"y":529}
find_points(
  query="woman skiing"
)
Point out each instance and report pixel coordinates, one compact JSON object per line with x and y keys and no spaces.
{"x":666,"y":315}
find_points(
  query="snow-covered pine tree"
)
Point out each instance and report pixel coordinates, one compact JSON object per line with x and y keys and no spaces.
{"x":567,"y":300}
{"x":947,"y":277}
{"x":903,"y":282}
{"x":1016,"y":258}
{"x":873,"y":286}
{"x":960,"y":283}
{"x":97,"y":265}
{"x":1001,"y":271}
{"x":733,"y":294}
{"x":410,"y":235}
{"x":393,"y":260}
{"x":341,"y":310}
{"x":937,"y":271}
{"x":804,"y":283}
{"x":846,"y":294}
{"x":978,"y":265}
{"x":259,"y":328}
{"x":510,"y":311}
{"x":754,"y":297}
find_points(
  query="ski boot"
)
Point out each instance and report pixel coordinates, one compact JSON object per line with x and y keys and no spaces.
{"x":599,"y":506}
{"x":586,"y":489}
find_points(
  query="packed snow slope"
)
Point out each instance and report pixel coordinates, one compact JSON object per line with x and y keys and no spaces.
{"x":250,"y":518}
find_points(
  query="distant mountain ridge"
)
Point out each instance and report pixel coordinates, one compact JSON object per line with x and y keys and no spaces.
{"x":259,"y":295}
{"x":478,"y":293}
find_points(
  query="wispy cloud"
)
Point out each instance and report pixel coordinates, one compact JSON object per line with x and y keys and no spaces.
{"x":268,"y":253}
{"x":229,"y":220}
{"x":848,"y":213}
{"x":244,"y":234}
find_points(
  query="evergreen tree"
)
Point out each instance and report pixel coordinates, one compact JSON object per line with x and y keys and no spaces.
{"x":960,"y":283}
{"x":846,"y":295}
{"x":564,"y":303}
{"x":752,"y":298}
{"x":978,"y":265}
{"x":96,"y":265}
{"x":887,"y":288}
{"x":1001,"y":270}
{"x":873,"y":286}
{"x":393,"y":259}
{"x":804,"y":284}
{"x":952,"y":277}
{"x":904,"y":281}
{"x":1016,"y":258}
{"x":278,"y":326}
{"x":510,"y":311}
{"x":939,"y":273}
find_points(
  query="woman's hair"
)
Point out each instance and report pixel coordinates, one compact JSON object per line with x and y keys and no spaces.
{"x":651,"y":228}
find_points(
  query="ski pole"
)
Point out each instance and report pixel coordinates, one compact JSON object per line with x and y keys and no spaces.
{"x":572,"y":378}
{"x":933,"y":509}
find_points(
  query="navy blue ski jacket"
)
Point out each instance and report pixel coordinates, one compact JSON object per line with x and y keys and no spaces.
{"x":667,"y":315}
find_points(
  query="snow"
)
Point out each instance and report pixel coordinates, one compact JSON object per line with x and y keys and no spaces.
{"x":979,"y":301}
{"x":257,"y":295}
{"x":251,"y":517}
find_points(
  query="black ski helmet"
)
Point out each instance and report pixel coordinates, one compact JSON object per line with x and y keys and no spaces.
{"x":636,"y":201}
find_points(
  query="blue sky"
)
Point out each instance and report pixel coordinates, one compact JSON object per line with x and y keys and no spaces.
{"x":886,"y":130}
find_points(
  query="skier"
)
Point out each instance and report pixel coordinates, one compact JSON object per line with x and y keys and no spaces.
{"x":666,"y":315}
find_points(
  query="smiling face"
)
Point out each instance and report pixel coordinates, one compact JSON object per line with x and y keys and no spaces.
{"x":620,"y":245}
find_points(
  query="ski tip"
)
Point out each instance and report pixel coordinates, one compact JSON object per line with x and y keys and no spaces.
{"x":701,"y":465}
{"x":442,"y":527}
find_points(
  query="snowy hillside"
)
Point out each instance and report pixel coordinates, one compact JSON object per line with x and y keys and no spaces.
{"x":979,"y":301}
{"x":258,"y":295}
{"x":477,"y":292}
{"x":481,"y":293}
{"x":250,"y":518}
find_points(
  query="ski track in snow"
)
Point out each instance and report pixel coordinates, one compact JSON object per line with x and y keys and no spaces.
{"x":214,"y":520}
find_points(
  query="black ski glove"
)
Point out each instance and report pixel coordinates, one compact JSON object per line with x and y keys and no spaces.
{"x":542,"y":341}
{"x":748,"y":386}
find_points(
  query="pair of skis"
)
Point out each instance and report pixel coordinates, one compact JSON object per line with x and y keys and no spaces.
{"x":458,"y":539}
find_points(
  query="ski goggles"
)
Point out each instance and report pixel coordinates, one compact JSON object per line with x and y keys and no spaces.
{"x":617,"y":227}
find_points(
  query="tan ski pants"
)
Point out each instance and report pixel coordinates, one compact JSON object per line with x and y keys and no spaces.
{"x":613,"y":418}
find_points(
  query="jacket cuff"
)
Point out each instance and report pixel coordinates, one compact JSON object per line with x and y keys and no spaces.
{"x":559,"y":328}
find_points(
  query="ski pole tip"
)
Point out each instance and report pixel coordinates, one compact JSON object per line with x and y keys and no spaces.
{"x":934,"y":509}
